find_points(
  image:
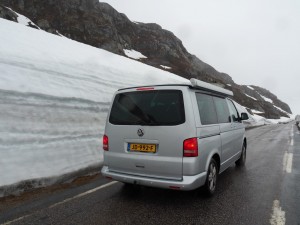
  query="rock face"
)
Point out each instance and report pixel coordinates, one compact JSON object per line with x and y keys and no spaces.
{"x":8,"y":14}
{"x":100,"y":25}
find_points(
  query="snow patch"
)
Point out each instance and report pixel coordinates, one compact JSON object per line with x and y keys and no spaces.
{"x":280,"y":109}
{"x":228,"y":85}
{"x":256,"y":111}
{"x":266,"y":99}
{"x":134,"y":54}
{"x":251,"y":97}
{"x":250,"y":88}
{"x":23,"y":19}
{"x":166,"y":67}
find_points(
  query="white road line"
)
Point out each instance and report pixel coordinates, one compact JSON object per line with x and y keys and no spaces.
{"x":66,"y":200}
{"x":292,"y":142}
{"x":83,"y":194}
{"x":15,"y":220}
{"x":292,"y":132}
{"x":287,"y":162}
{"x":284,"y":161}
{"x":278,"y":215}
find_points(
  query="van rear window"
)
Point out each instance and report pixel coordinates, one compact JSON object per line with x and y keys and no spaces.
{"x":153,"y":108}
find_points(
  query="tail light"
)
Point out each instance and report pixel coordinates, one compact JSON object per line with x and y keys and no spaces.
{"x":105,"y":143}
{"x":190,"y":147}
{"x":145,"y":89}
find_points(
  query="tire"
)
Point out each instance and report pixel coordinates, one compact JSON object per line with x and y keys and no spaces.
{"x":242,"y":160}
{"x":211,"y":178}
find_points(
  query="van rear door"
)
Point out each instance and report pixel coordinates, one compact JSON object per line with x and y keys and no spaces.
{"x":146,"y":130}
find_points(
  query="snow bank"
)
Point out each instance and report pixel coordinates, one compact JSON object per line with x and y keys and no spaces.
{"x":54,"y":98}
{"x":257,"y":120}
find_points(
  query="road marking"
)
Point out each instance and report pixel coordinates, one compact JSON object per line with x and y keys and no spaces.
{"x":287,"y":162}
{"x":64,"y":201}
{"x":292,"y":136}
{"x":278,"y":215}
{"x":15,"y":220}
{"x":83,"y":194}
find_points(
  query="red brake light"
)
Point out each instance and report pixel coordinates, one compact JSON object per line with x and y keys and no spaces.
{"x":145,"y":89}
{"x":105,"y":143}
{"x":190,"y":147}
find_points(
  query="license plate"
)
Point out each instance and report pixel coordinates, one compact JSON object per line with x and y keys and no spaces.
{"x":142,"y":147}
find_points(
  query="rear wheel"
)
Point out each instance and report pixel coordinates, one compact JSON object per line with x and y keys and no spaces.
{"x":242,"y":160}
{"x":211,"y":179}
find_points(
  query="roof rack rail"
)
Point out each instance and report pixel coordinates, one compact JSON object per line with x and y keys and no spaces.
{"x":210,"y":87}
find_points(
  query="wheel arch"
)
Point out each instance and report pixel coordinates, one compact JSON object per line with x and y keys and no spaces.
{"x":245,"y":142}
{"x":217,"y":158}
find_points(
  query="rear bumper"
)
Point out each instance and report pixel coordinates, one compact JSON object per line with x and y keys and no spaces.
{"x":186,"y":184}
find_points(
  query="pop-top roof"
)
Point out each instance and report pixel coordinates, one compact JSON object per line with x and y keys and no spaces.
{"x":194,"y":83}
{"x":210,"y":87}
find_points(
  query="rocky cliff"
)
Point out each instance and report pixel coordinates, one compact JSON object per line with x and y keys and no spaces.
{"x":98,"y":24}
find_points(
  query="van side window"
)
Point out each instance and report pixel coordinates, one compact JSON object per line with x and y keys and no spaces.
{"x":206,"y":109}
{"x":233,"y":112}
{"x":222,"y":110}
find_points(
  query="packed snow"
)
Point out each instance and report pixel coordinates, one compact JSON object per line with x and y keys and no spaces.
{"x":54,"y":98}
{"x":134,"y":54}
{"x":251,"y":97}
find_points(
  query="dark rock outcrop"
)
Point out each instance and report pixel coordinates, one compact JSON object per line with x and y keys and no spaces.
{"x":100,"y":25}
{"x":6,"y":13}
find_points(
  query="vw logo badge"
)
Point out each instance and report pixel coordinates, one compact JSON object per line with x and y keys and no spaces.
{"x":140,"y":132}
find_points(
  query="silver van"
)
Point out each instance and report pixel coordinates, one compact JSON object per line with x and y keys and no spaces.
{"x":173,"y":136}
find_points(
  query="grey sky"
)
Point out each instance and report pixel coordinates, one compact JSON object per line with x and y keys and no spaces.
{"x":256,"y":42}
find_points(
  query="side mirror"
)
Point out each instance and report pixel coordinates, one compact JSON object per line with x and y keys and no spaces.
{"x":244,"y":116}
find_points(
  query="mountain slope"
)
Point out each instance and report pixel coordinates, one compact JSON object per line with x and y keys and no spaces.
{"x":99,"y":25}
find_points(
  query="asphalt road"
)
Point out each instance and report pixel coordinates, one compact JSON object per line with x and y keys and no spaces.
{"x":266,"y":191}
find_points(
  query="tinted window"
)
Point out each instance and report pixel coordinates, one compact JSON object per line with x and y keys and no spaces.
{"x":222,"y":110}
{"x":161,"y":107}
{"x":233,"y":112}
{"x":206,"y":109}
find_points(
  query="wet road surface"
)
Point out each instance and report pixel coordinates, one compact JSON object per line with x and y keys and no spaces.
{"x":265,"y":191}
